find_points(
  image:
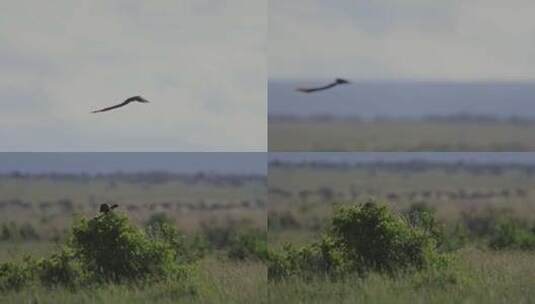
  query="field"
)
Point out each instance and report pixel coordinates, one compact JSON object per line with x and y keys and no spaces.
{"x":38,"y":211}
{"x":471,"y":205}
{"x":52,"y":201}
{"x":468,"y":201}
{"x":399,"y":135}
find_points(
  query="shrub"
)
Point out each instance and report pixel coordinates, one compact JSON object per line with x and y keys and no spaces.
{"x":111,"y":249}
{"x":282,"y":221}
{"x":8,"y":231}
{"x":322,"y":257}
{"x":251,"y":244}
{"x":103,"y":249}
{"x":513,"y":234}
{"x":422,"y":216}
{"x":483,"y":224}
{"x":28,"y":232}
{"x":187,"y":250}
{"x":361,"y":238}
{"x":377,"y":239}
{"x":14,"y":276}
{"x":60,"y":269}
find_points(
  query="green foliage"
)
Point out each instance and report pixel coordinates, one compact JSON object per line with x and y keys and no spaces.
{"x":14,"y":276}
{"x":323,"y":257}
{"x":105,"y":249}
{"x":455,"y":237}
{"x":26,"y":232}
{"x":110,"y":248}
{"x":513,"y":235}
{"x":282,"y":221}
{"x":60,"y":269}
{"x":377,"y":239}
{"x":422,"y":216}
{"x":362,"y":238}
{"x":250,"y":244}
{"x":187,"y":249}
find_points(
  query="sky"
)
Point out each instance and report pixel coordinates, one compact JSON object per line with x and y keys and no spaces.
{"x":93,"y":163}
{"x":352,"y":157}
{"x":447,"y":40}
{"x":201,"y":63}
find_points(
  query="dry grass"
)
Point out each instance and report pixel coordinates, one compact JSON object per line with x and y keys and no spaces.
{"x":419,"y":136}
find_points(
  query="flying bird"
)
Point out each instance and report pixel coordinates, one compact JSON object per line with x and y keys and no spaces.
{"x":124,"y":103}
{"x":105,"y":208}
{"x":336,"y":82}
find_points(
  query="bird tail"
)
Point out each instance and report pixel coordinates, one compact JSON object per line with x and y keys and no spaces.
{"x":114,"y":206}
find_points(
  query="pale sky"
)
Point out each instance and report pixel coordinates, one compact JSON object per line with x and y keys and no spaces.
{"x":201,"y":63}
{"x":456,"y":40}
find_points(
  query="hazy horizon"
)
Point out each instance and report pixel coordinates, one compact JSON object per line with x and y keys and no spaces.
{"x":443,"y":157}
{"x":403,"y":99}
{"x":102,"y":163}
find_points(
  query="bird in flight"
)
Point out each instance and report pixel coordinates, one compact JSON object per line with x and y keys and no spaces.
{"x":336,"y":82}
{"x":124,"y":103}
{"x":105,"y":208}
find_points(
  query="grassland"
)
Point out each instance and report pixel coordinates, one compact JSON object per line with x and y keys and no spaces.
{"x":217,"y":281}
{"x":301,"y":201}
{"x":37,"y":212}
{"x":478,"y":277}
{"x":302,"y":198}
{"x":51,"y":202}
{"x":399,"y":135}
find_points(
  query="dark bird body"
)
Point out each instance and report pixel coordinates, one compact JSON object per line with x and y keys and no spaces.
{"x":124,"y":103}
{"x":338,"y":81}
{"x":105,"y":208}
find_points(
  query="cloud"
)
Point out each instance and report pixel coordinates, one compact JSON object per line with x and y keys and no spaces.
{"x":414,"y":39}
{"x":201,"y":63}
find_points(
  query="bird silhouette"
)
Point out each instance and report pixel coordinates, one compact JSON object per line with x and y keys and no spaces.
{"x":337,"y":81}
{"x":124,"y":103}
{"x":105,"y":208}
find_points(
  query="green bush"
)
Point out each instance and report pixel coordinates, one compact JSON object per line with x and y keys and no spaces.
{"x":187,"y":249}
{"x":377,"y":239}
{"x":15,"y":276}
{"x":60,"y":269}
{"x":250,"y":244}
{"x":361,"y":238}
{"x":422,"y":216}
{"x":513,"y":234}
{"x":320,"y":258}
{"x":26,"y":231}
{"x":111,"y":249}
{"x":104,"y":249}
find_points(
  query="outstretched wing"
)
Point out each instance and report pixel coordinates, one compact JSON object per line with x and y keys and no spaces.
{"x":124,"y":103}
{"x":311,"y":90}
{"x":136,"y":98}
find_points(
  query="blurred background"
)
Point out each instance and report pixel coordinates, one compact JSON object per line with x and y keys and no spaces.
{"x":469,"y":194}
{"x":210,"y":195}
{"x":426,"y":76}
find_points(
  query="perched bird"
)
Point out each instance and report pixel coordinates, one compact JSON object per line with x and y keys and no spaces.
{"x":336,"y":82}
{"x":105,"y":208}
{"x":124,"y":103}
